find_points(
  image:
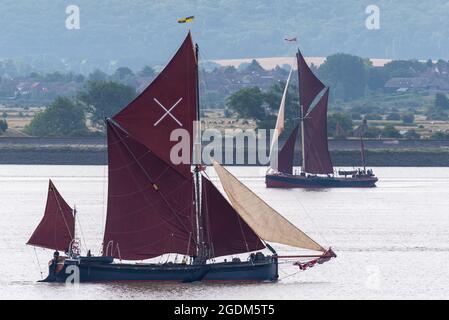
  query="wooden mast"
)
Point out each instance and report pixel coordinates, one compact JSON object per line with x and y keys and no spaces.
{"x":201,"y":249}
{"x":301,"y":118}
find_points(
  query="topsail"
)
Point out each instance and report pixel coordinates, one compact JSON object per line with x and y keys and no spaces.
{"x":167,"y":104}
{"x":309,"y":85}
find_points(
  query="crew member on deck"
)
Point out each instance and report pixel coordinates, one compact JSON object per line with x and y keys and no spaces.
{"x":55,"y":265}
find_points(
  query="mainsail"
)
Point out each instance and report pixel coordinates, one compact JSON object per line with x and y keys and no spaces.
{"x":168,"y":103}
{"x":317,"y":159}
{"x":150,"y":204}
{"x":315,"y":152}
{"x":264,"y":220}
{"x":57,"y":228}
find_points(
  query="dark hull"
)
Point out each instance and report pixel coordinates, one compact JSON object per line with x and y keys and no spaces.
{"x":266,"y":270}
{"x":299,"y":181}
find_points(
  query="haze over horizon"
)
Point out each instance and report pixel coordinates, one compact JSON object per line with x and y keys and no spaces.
{"x":135,"y":33}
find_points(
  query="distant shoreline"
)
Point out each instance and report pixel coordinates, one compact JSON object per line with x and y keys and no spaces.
{"x":93,"y":151}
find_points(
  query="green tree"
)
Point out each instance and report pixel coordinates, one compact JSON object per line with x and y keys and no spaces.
{"x":63,"y":117}
{"x":440,"y":136}
{"x":272,"y":98}
{"x":54,"y":77}
{"x":402,"y":68}
{"x":436,"y":114}
{"x":346,"y":75}
{"x":122,"y":73}
{"x":441,"y":101}
{"x":394,"y":116}
{"x":3,"y":126}
{"x":408,"y":118}
{"x":377,"y":77}
{"x":248,"y":103}
{"x":412,"y":134}
{"x":105,"y":98}
{"x":438,"y":110}
{"x":372,"y":132}
{"x":390,"y":132}
{"x":373,"y":116}
{"x":255,"y":67}
{"x":147,"y":72}
{"x":98,"y":75}
{"x":343,"y":120}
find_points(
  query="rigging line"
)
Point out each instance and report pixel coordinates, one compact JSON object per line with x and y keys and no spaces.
{"x":288,"y":276}
{"x":312,"y":221}
{"x":131,"y":162}
{"x":38,"y":263}
{"x":82,"y":234}
{"x":148,"y":177}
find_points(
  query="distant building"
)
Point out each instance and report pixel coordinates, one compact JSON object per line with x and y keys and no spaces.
{"x":423,"y":83}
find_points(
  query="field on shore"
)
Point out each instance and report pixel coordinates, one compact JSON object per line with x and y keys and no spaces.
{"x":18,"y":118}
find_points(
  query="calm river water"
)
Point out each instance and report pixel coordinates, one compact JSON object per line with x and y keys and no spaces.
{"x":392,"y":241}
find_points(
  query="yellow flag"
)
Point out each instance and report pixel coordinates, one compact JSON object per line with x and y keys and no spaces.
{"x":187,"y":19}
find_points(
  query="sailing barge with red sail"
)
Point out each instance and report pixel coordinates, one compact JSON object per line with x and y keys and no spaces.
{"x":157,"y":207}
{"x":316,"y":169}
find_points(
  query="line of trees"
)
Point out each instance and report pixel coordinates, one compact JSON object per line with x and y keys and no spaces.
{"x":439,"y":109}
{"x":262,"y":106}
{"x":67,"y":116}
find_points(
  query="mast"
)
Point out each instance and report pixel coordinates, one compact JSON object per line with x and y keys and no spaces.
{"x":201,"y":256}
{"x":362,"y":151}
{"x":74,"y":221}
{"x":301,"y":119}
{"x":303,"y":164}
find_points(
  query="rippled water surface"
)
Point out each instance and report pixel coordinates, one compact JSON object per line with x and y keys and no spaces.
{"x":392,"y":241}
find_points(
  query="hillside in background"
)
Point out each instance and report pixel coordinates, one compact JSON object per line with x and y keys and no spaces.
{"x":138,"y":32}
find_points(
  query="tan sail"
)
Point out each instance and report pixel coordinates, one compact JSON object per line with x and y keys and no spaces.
{"x":264,"y":220}
{"x":281,"y":116}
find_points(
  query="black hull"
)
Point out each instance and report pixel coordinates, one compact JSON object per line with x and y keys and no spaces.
{"x":300,"y":181}
{"x":266,"y":270}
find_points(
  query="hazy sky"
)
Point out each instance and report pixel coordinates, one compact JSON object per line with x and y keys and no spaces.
{"x":138,"y":32}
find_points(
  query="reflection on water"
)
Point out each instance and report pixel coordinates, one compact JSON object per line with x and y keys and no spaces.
{"x":391,"y":241}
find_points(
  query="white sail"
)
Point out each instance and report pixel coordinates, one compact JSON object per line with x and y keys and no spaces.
{"x":281,"y":116}
{"x":264,"y":220}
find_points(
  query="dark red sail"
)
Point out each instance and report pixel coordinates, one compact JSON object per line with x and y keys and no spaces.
{"x":168,"y":103}
{"x":150,"y":204}
{"x":57,"y":228}
{"x":227,"y":233}
{"x":316,"y":152}
{"x":309,"y":85}
{"x":285,"y":156}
